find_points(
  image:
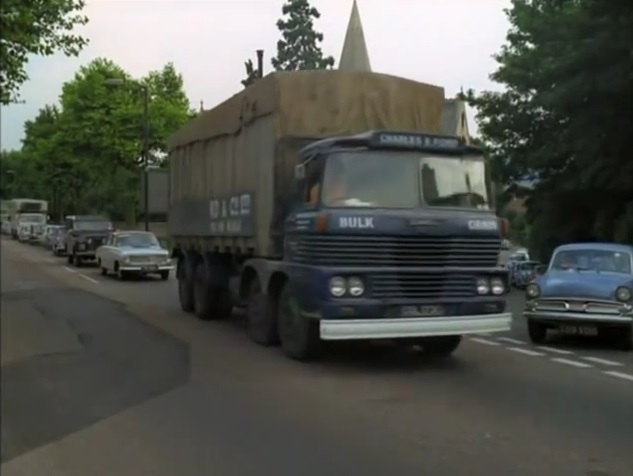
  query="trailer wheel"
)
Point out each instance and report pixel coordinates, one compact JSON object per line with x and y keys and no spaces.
{"x":299,"y":335}
{"x":185,"y":287}
{"x":261,"y":321}
{"x":210,"y":303}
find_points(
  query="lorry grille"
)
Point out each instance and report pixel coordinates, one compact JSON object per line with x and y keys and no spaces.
{"x":402,"y":251}
{"x":421,"y":286}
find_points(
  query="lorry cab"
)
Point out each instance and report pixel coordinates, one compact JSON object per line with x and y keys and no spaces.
{"x":393,"y":235}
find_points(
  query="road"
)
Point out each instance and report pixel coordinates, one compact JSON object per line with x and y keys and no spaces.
{"x":144,"y":389}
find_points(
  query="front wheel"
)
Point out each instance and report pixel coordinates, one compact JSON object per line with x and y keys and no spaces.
{"x":537,"y":332}
{"x":299,"y":335}
{"x":261,"y":321}
{"x":164,"y":275}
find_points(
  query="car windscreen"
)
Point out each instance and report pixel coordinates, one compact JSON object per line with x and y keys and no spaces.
{"x":591,"y":259}
{"x":138,"y":240}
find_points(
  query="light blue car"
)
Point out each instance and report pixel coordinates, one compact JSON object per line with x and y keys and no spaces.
{"x":588,"y":290}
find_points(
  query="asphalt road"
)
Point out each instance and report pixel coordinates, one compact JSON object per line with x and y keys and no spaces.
{"x":499,"y":406}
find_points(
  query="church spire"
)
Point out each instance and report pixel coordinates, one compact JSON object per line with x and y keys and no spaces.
{"x":354,"y":56}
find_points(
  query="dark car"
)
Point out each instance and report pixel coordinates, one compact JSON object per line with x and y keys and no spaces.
{"x":85,"y":233}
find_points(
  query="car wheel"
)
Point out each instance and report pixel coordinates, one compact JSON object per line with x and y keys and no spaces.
{"x":104,"y":270}
{"x":622,"y":338}
{"x":164,"y":275}
{"x":537,"y":332}
{"x":120,"y":274}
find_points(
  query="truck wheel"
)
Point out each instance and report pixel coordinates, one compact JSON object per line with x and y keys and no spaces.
{"x":261,"y":321}
{"x":299,"y":335}
{"x":442,"y":346}
{"x":209,"y":303}
{"x":69,"y":258}
{"x":537,"y":332}
{"x":78,"y":262}
{"x":185,"y":286}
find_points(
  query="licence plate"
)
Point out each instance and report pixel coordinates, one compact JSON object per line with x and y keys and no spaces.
{"x":150,"y":268}
{"x":579,"y":330}
{"x":427,"y":310}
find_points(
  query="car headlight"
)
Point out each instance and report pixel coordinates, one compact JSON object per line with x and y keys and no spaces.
{"x":497,"y":286}
{"x":483,"y":286}
{"x":532,"y":291}
{"x":623,"y":294}
{"x":337,"y":286}
{"x":355,"y":286}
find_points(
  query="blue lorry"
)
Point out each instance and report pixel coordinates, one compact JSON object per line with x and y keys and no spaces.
{"x":377,"y":235}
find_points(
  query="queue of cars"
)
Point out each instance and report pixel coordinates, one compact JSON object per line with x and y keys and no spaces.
{"x":86,"y":239}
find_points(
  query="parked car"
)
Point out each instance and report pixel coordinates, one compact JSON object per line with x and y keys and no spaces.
{"x":85,"y":234}
{"x":134,"y":252}
{"x":588,"y":290}
{"x":515,"y":259}
{"x":524,"y":273}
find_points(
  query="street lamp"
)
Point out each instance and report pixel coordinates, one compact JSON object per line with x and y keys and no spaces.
{"x":145,"y":89}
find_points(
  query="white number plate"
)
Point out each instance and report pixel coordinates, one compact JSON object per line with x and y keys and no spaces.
{"x":431,"y":310}
{"x":579,"y":330}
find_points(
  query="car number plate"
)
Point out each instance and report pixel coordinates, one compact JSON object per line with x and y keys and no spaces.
{"x":427,"y":310}
{"x":152,"y":267}
{"x":579,"y":330}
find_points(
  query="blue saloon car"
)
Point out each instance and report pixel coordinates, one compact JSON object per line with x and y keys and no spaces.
{"x":587,"y":290}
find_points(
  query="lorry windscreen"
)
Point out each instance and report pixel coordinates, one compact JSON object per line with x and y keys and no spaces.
{"x":394,"y":179}
{"x":92,"y":225}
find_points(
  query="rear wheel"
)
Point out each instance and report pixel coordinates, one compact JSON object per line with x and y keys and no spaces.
{"x":185,"y":287}
{"x":210,"y":302}
{"x":260,"y":316}
{"x":537,"y":332}
{"x":299,"y":336}
{"x":104,"y":271}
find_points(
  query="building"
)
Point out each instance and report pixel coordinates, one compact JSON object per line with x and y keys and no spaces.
{"x":355,"y":57}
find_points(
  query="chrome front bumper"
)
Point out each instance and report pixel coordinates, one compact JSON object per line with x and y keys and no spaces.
{"x":554,"y":316}
{"x":368,"y":329}
{"x":147,"y":268}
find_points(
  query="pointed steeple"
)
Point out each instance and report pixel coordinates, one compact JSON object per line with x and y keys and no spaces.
{"x":354,"y":56}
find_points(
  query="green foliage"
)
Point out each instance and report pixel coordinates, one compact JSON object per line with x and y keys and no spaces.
{"x":562,"y":117}
{"x":252,"y":74}
{"x":85,"y":155}
{"x":35,"y":28}
{"x":299,"y":47}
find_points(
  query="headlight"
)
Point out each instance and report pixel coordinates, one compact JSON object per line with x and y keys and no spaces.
{"x":483,"y":286}
{"x":497,"y":286}
{"x":355,"y":286}
{"x":337,"y":286}
{"x":623,"y":294}
{"x":532,"y":291}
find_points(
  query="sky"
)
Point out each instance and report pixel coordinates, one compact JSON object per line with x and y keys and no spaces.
{"x":448,"y":43}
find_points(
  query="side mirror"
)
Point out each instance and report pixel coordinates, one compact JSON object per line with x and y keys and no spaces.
{"x":300,"y":172}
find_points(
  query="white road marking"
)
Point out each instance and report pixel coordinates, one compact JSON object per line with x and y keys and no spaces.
{"x":510,"y":340}
{"x":533,"y":353}
{"x":484,"y":341}
{"x":598,"y":360}
{"x":88,"y":278}
{"x":572,"y":363}
{"x":556,"y":351}
{"x":621,"y":375}
{"x":70,"y":270}
{"x":484,"y":334}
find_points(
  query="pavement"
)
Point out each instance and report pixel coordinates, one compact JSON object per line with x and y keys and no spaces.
{"x":127,"y":384}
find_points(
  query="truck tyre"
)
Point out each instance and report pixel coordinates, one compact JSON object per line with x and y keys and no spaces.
{"x":210,"y":303}
{"x":77,"y":260}
{"x":261,"y":321}
{"x":69,"y":258}
{"x":299,"y":335}
{"x":441,"y":346}
{"x":537,"y":332}
{"x":185,"y":286}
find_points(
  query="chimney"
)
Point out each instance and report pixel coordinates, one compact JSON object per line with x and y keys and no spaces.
{"x":260,"y":63}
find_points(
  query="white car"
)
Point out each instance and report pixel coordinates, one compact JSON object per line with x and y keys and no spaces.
{"x":133,"y":252}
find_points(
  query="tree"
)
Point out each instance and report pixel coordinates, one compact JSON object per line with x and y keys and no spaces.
{"x":35,"y":28}
{"x":299,"y":47}
{"x":560,"y":119}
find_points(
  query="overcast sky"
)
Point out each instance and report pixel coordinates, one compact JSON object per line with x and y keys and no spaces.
{"x":448,"y":43}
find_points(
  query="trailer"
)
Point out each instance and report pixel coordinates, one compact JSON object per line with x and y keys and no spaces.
{"x":411,"y":257}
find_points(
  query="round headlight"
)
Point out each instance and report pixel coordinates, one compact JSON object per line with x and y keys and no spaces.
{"x":623,"y":294}
{"x":355,"y":286}
{"x":532,"y":291}
{"x":337,"y":286}
{"x":483,"y":286}
{"x":497,"y":286}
